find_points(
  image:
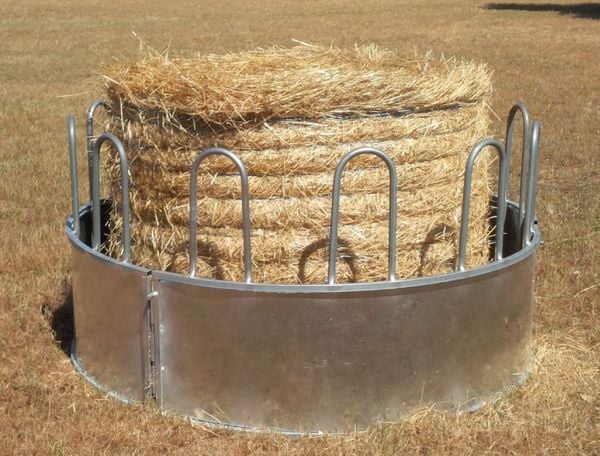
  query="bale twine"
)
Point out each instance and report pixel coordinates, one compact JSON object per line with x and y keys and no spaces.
{"x":291,"y":115}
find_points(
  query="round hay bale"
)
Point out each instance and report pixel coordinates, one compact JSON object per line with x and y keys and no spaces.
{"x":291,"y":115}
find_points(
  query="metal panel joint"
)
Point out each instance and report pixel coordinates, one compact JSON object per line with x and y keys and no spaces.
{"x":151,"y":340}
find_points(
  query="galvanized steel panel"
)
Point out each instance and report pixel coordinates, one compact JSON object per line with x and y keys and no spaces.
{"x":339,"y":360}
{"x":109,"y":303}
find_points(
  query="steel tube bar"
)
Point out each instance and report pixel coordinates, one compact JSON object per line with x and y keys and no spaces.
{"x":89,"y":130}
{"x":466,"y":205}
{"x":526,"y":150}
{"x":193,"y":229}
{"x":73,"y":172}
{"x":531,"y":185}
{"x":335,"y":210}
{"x":96,"y":230}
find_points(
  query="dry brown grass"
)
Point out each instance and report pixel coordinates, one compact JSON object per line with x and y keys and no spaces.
{"x":50,"y":49}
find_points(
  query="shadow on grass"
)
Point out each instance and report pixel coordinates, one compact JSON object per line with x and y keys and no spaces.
{"x":582,"y":10}
{"x":60,"y":317}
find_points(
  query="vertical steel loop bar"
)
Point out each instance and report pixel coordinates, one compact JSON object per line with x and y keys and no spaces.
{"x":335,"y":211}
{"x":96,"y":233}
{"x":466,"y":204}
{"x":532,"y":185}
{"x":71,"y":134}
{"x":89,"y":131}
{"x":245,"y":208}
{"x":525,"y":153}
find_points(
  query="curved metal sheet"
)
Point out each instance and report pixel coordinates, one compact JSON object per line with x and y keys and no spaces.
{"x":317,"y":358}
{"x":109,"y":306}
{"x":338,"y":361}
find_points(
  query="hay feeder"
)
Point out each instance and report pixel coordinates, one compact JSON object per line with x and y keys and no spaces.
{"x":305,"y":359}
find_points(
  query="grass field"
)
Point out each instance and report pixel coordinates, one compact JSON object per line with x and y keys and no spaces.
{"x":546,"y":55}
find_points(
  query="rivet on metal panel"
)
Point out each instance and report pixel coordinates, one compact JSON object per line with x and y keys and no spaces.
{"x":245,"y":208}
{"x":466,"y":205}
{"x":335,"y":211}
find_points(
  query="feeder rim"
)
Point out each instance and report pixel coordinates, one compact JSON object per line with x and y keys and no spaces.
{"x":411,"y":283}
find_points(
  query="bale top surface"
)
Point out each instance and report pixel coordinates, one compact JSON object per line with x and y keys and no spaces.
{"x":305,"y":81}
